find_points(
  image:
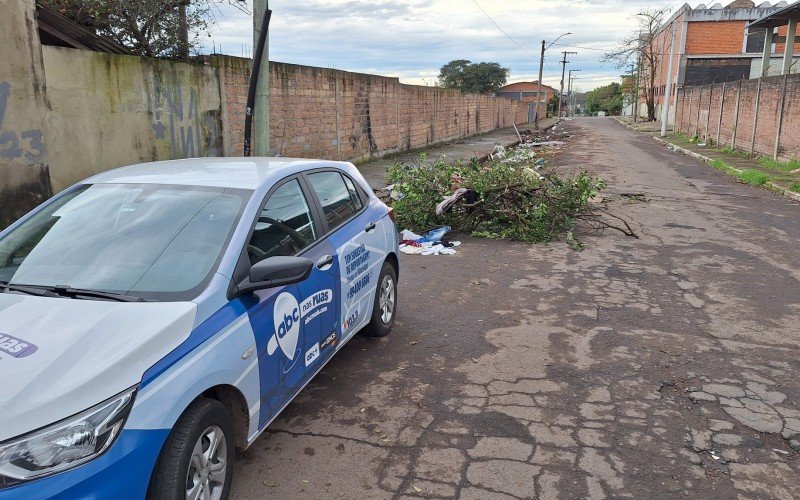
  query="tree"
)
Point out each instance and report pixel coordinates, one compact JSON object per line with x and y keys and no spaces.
{"x":478,"y":78}
{"x":155,"y":28}
{"x":641,"y":48}
{"x":451,"y":75}
{"x":607,"y":98}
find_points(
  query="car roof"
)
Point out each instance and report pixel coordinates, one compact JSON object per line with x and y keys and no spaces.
{"x":237,"y":173}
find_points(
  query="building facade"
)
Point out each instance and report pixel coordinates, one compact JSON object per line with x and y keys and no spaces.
{"x":525,"y":92}
{"x":713,"y":44}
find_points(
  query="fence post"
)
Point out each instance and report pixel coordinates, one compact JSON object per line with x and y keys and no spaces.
{"x":780,"y":118}
{"x":755,"y":118}
{"x":699,"y":105}
{"x":736,"y":118}
{"x":708,"y":115}
{"x":721,"y":108}
{"x":337,"y":74}
{"x":397,"y":104}
{"x":678,"y":111}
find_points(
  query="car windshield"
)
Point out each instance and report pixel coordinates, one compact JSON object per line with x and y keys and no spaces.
{"x":157,"y":242}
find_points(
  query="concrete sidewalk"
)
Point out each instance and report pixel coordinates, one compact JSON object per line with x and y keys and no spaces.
{"x":465,"y":149}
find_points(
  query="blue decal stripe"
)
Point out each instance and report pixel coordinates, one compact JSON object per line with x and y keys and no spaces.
{"x":226,"y":315}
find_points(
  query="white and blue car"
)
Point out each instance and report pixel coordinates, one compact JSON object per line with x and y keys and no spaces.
{"x":157,"y":317}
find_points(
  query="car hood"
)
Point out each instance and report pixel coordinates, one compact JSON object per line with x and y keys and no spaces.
{"x":60,"y":356}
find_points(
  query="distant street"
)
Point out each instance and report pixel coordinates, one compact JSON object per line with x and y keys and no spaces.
{"x":661,"y":367}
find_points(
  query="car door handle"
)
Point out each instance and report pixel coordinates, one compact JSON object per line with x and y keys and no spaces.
{"x":324,"y":261}
{"x":369,"y":227}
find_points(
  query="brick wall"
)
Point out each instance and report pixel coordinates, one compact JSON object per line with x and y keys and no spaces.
{"x":717,"y":37}
{"x":738,"y":114}
{"x":327,"y":113}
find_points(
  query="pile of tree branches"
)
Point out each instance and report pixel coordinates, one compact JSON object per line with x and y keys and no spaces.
{"x":514,"y":197}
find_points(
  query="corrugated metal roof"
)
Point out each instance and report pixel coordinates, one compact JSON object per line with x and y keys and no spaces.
{"x":55,"y":29}
{"x":779,"y":18}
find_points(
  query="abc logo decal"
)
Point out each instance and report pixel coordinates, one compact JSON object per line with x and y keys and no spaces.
{"x":287,"y":325}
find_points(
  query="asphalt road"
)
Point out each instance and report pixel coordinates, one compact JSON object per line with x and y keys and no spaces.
{"x":662,"y":367}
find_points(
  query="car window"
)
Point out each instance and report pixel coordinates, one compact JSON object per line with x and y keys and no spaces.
{"x":285,"y":225}
{"x":159,"y":242}
{"x":337,"y":204}
{"x":354,"y":194}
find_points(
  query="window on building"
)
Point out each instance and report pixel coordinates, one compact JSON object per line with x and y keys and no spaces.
{"x":337,"y":204}
{"x":755,"y":40}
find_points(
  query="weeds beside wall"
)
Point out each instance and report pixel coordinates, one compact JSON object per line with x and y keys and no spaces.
{"x":759,"y":116}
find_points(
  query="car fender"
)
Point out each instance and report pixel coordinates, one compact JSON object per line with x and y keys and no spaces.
{"x":226,"y":358}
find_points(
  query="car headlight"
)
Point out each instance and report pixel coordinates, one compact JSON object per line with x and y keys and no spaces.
{"x":65,"y":444}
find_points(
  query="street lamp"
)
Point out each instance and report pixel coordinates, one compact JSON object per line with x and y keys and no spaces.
{"x":541,"y":70}
{"x":569,"y":90}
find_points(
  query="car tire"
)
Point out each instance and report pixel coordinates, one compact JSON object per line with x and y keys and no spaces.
{"x":187,"y":462}
{"x":384,"y":309}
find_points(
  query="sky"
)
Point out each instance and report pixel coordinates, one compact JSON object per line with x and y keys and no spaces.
{"x":412,"y":39}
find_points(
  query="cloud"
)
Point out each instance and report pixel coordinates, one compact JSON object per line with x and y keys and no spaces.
{"x":411,"y":39}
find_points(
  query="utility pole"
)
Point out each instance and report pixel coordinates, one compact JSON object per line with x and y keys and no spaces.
{"x":538,"y":105}
{"x":563,"y":74}
{"x":569,"y":90}
{"x":261,"y":116}
{"x":539,"y":92}
{"x":668,"y":92}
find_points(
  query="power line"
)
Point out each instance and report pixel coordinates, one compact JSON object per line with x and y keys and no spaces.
{"x":499,"y":28}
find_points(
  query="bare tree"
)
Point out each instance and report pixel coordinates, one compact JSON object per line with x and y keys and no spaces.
{"x":641,"y":47}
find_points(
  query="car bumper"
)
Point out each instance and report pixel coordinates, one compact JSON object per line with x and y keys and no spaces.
{"x":123,"y":472}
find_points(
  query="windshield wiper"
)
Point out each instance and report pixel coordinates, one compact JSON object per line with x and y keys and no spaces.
{"x":30,"y":290}
{"x":66,"y":291}
{"x":79,"y":292}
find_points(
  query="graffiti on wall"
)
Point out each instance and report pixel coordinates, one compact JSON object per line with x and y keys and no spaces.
{"x":178,"y":120}
{"x":26,"y":145}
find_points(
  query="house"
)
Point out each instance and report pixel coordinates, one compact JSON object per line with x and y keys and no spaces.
{"x":715,"y":44}
{"x":525,"y":91}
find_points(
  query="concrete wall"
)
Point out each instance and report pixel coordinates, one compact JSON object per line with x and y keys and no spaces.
{"x":710,"y":111}
{"x":110,"y":110}
{"x":328,"y":113}
{"x":24,"y":176}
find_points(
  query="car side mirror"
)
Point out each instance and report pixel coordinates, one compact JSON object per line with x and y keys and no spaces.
{"x":273,"y":272}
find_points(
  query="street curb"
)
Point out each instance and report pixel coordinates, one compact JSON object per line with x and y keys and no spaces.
{"x":705,"y":159}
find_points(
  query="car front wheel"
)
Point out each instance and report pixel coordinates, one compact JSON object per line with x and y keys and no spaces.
{"x":197,"y":459}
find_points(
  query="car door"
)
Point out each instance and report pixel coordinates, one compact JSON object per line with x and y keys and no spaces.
{"x":290,"y":323}
{"x":356,"y":229}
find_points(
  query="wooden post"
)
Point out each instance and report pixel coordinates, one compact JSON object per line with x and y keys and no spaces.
{"x":721,"y":107}
{"x":736,"y":118}
{"x":780,"y":118}
{"x":755,"y":118}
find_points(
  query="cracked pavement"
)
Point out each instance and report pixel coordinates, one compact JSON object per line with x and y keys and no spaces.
{"x":662,"y":367}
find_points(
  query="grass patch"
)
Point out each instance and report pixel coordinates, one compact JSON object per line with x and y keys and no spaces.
{"x":754,"y":177}
{"x":688,"y":139}
{"x":794,"y":187}
{"x":721,"y":165}
{"x":734,"y":152}
{"x":782,"y":166}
